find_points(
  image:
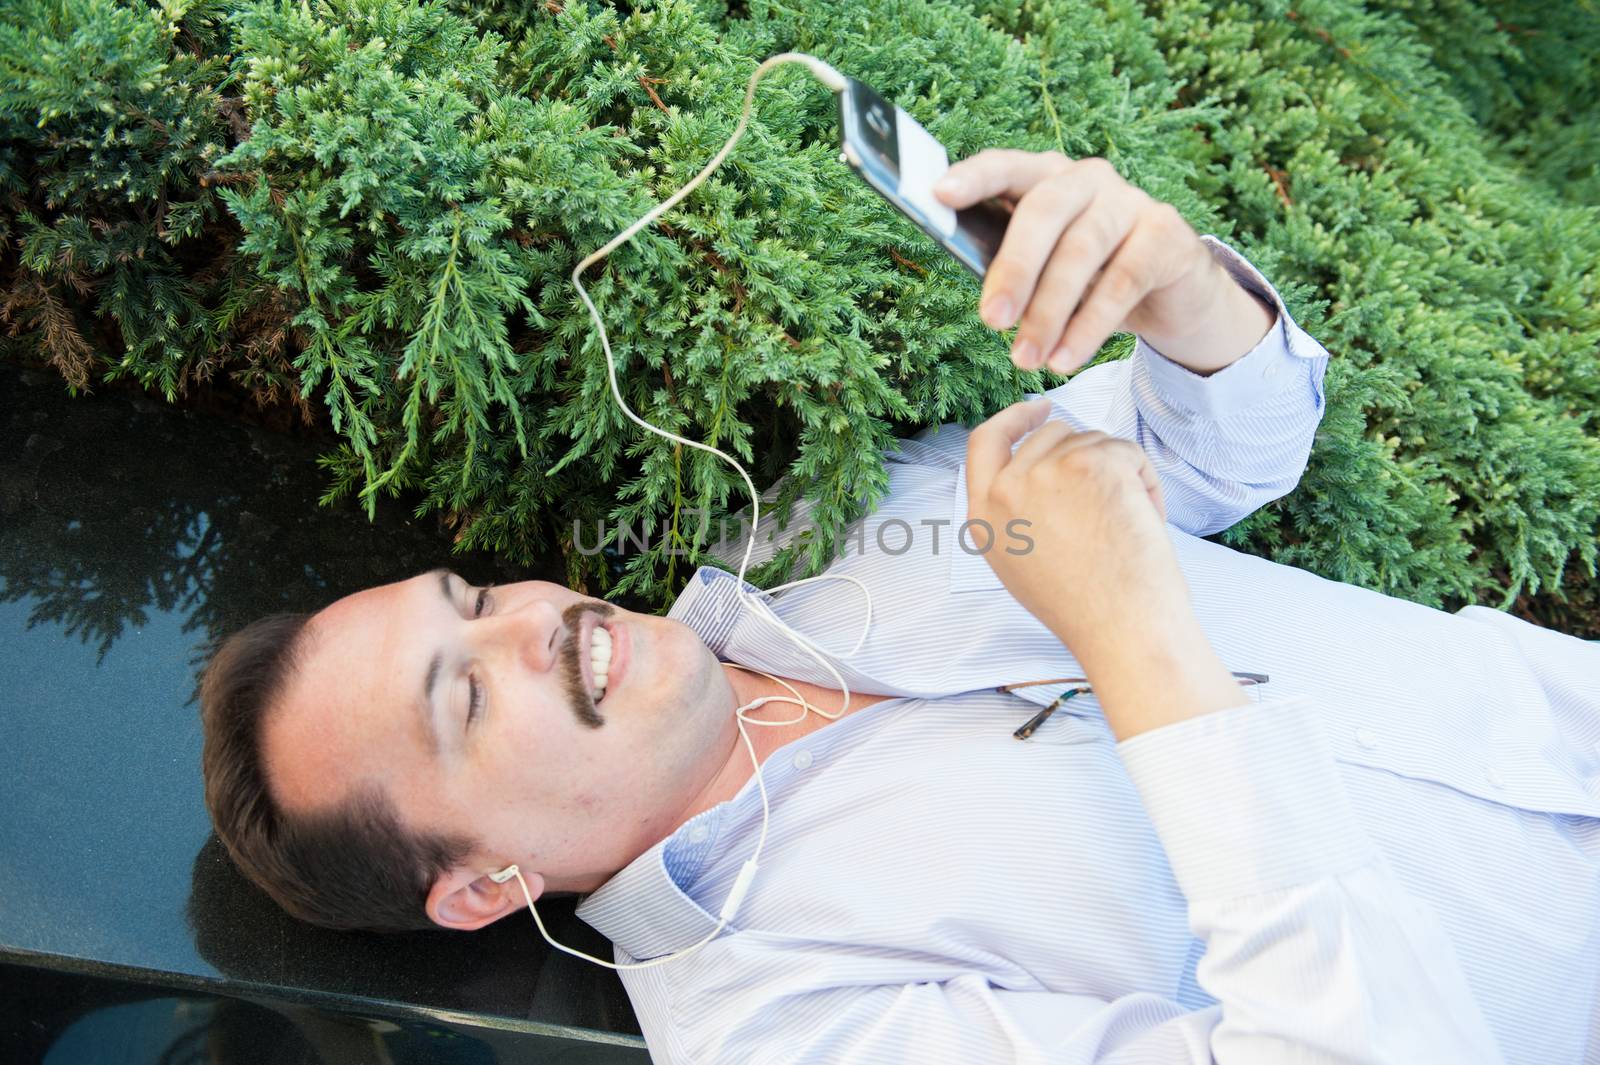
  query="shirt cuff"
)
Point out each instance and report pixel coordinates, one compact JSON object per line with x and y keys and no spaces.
{"x":1247,"y":800}
{"x":1255,"y":376}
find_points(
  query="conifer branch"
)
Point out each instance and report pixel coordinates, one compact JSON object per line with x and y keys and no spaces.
{"x":380,"y":235}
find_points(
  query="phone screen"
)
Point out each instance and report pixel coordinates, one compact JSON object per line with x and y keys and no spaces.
{"x":901,"y":160}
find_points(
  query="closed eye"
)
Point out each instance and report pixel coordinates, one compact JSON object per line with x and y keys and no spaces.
{"x":474,"y":699}
{"x":474,"y":689}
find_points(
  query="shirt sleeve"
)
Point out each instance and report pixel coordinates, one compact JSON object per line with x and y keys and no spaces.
{"x":1225,"y":444}
{"x":1314,"y":951}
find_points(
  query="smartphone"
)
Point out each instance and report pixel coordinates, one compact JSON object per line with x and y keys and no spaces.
{"x":896,"y":156}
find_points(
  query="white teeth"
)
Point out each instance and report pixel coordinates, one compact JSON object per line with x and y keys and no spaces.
{"x":600,"y":659}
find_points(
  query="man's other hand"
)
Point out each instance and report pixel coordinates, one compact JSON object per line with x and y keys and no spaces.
{"x":1085,"y":245}
{"x":1100,"y":572}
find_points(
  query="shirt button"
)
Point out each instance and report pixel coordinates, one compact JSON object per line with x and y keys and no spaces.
{"x":1492,"y":775}
{"x":1366,"y":738}
{"x":802,"y":760}
{"x":698,"y":834}
{"x":1270,"y":371}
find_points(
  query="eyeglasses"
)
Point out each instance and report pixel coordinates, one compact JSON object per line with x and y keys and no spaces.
{"x":1033,"y":723}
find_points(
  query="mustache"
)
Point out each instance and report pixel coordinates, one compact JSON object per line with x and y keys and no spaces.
{"x":583,"y":707}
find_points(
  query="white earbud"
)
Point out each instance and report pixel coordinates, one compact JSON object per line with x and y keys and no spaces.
{"x":503,"y":875}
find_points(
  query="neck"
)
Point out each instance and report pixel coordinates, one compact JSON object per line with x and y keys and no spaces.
{"x":747,"y":687}
{"x":744,"y":688}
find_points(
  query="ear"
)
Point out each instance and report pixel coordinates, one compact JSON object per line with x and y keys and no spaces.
{"x":466,"y":899}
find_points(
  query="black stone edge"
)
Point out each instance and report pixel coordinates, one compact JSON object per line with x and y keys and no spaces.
{"x":267,"y":994}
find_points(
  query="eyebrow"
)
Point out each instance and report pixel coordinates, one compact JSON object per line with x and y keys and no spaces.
{"x":430,"y":678}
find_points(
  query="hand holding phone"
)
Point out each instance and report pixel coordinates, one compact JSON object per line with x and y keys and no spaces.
{"x":1066,"y":248}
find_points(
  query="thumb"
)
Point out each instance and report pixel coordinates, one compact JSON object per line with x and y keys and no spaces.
{"x":995,"y":172}
{"x":952,"y":191}
{"x":989,"y":445}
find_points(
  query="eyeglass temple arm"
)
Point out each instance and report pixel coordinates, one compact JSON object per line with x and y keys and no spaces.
{"x":1032,"y":724}
{"x":1245,"y":679}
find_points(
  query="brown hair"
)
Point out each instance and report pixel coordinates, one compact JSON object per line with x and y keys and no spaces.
{"x":355,"y":866}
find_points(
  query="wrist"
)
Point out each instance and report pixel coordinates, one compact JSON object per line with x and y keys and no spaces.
{"x":1158,"y":677}
{"x":1234,"y":321}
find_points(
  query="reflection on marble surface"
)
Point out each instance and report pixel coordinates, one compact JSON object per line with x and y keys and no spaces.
{"x":56,"y":1018}
{"x":132,"y":537}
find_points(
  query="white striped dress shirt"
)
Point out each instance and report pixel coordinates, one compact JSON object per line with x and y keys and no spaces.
{"x":1391,"y":855}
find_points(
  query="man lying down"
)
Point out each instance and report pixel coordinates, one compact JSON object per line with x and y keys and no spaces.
{"x":1388,"y":851}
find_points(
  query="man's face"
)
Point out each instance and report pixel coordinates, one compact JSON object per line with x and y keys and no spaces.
{"x":507,"y":745}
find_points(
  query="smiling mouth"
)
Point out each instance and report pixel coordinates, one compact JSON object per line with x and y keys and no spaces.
{"x":598,"y":658}
{"x":589,"y":660}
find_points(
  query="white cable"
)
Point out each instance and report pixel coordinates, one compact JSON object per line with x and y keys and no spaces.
{"x":741,"y":886}
{"x":835,"y":81}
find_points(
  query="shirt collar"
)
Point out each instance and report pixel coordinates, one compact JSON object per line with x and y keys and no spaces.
{"x":715,"y":606}
{"x":641,"y":909}
{"x":710,"y":605}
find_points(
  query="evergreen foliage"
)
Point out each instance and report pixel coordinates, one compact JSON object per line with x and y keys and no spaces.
{"x":370,"y":209}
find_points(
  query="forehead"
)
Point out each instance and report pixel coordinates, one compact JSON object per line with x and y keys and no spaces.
{"x":348,"y":715}
{"x":365,"y":643}
{"x":379,"y":619}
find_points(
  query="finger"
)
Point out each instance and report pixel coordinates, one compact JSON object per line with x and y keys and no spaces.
{"x":1005,"y":172}
{"x":1039,"y":443}
{"x":1152,"y":485}
{"x":1121,"y":450}
{"x":1088,"y":245}
{"x":1151,"y":482}
{"x":1031,"y":236}
{"x":1087,"y":438}
{"x":989,"y":446}
{"x":1136,"y":457}
{"x":1136,"y":268}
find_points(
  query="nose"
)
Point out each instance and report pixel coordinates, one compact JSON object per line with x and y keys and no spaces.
{"x":531,"y":632}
